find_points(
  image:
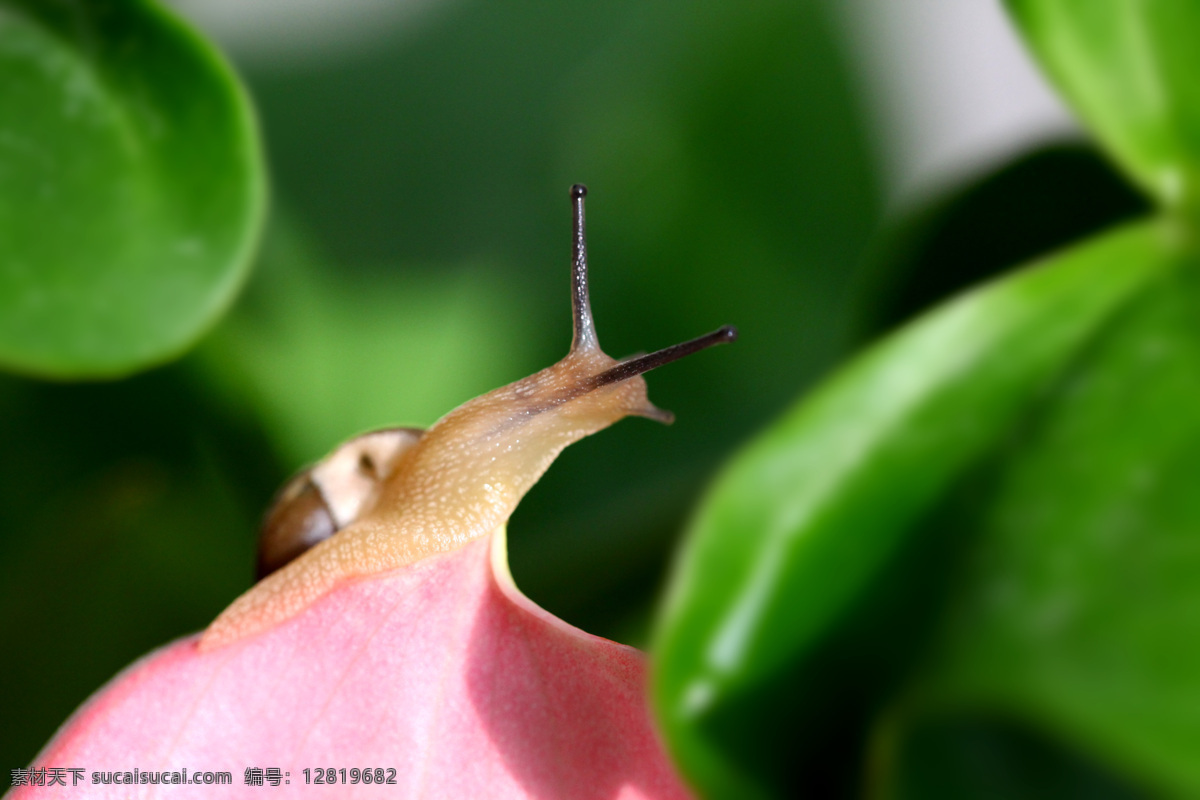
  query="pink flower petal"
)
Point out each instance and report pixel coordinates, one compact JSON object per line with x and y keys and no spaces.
{"x":441,"y":670}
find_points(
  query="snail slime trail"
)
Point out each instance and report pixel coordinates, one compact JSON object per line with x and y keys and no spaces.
{"x":392,"y":497}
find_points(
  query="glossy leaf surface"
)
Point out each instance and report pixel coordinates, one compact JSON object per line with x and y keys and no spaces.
{"x":806,"y":515}
{"x":1130,"y":69}
{"x":441,"y":671}
{"x":1077,"y":609}
{"x":131,"y":186}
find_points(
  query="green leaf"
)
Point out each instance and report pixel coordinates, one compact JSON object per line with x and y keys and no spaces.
{"x":806,"y":515}
{"x":1132,"y":71}
{"x":1078,"y":608}
{"x":956,"y":758}
{"x":131,"y":186}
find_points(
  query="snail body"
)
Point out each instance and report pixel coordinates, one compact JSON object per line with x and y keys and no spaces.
{"x":456,"y":482}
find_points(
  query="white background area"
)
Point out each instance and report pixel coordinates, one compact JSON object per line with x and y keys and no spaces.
{"x":950,"y":90}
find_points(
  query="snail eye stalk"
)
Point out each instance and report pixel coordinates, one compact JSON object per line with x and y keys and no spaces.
{"x":584,"y":324}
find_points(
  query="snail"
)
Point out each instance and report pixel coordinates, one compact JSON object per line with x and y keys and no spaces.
{"x":389,"y":498}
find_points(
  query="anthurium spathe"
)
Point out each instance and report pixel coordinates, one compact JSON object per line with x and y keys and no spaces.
{"x":387,"y":634}
{"x":441,"y":671}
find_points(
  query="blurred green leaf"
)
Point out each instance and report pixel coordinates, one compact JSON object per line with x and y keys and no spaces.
{"x":131,"y":186}
{"x":956,"y":758}
{"x":1077,"y":609}
{"x":804,"y":517}
{"x":1130,"y":69}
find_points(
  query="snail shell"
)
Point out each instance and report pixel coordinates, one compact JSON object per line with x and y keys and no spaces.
{"x":329,"y":495}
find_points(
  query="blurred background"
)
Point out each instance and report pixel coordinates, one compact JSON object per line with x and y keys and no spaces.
{"x":814,"y":172}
